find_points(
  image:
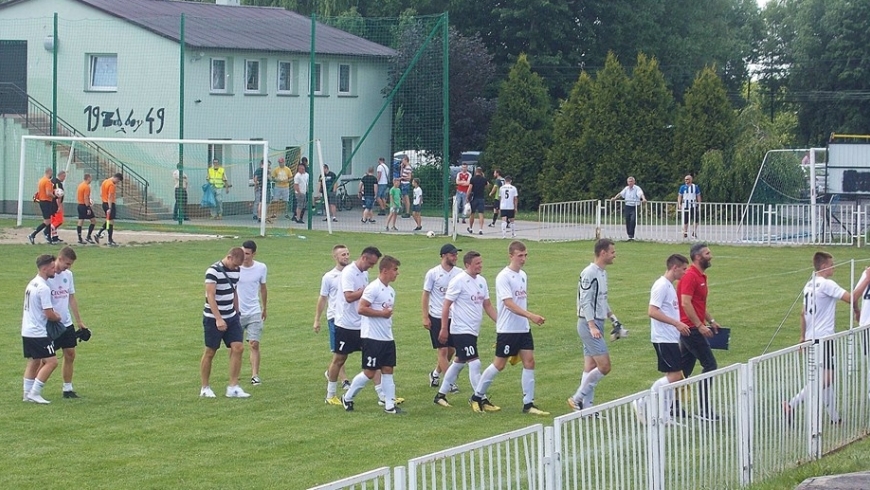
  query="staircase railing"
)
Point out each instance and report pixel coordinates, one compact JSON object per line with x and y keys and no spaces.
{"x":35,"y":113}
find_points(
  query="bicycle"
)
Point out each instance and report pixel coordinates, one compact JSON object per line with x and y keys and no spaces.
{"x":343,"y":200}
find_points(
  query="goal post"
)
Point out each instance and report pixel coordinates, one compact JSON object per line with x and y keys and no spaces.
{"x":148,"y":191}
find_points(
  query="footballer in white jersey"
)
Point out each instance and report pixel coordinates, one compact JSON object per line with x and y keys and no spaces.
{"x":862,"y":293}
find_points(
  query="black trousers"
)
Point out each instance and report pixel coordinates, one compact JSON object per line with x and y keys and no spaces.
{"x":180,"y":208}
{"x":696,"y":348}
{"x":630,"y":219}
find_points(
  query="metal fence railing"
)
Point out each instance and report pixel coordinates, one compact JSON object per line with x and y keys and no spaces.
{"x":734,"y":223}
{"x":666,"y":438}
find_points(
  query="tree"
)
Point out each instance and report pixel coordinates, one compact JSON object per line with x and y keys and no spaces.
{"x":567,"y":171}
{"x":608,"y":143}
{"x":705,"y":122}
{"x":650,"y":132}
{"x":520,"y":131}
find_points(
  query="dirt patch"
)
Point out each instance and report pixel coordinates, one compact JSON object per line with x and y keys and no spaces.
{"x":123,"y":237}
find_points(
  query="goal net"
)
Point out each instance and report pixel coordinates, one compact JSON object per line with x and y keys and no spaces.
{"x":163,"y":179}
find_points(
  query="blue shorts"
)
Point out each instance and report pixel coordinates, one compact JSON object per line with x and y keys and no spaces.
{"x":383,"y":190}
{"x":368,"y":202}
{"x":416,"y":208}
{"x":406,"y":188}
{"x":213,"y":336}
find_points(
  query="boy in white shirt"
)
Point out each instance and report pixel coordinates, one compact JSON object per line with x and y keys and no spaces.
{"x":252,"y":303}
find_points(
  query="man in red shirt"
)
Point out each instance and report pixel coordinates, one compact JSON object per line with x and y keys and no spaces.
{"x":463,"y":182}
{"x":692,"y":295}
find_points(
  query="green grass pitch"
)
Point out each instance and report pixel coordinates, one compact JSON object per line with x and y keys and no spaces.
{"x":140,"y":422}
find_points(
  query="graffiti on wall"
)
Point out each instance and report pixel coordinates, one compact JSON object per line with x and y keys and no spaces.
{"x":115,"y":120}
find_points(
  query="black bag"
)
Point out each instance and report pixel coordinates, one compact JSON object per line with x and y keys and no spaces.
{"x":55,"y":329}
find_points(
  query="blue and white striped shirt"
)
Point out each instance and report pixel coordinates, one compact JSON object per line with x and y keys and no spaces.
{"x":225,"y":288}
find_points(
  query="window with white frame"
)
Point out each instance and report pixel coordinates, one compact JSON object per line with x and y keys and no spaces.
{"x":345,"y":79}
{"x":219,"y":75}
{"x":318,"y":79}
{"x":103,"y":72}
{"x":347,"y":146}
{"x":285,"y":77}
{"x":253,"y":76}
{"x":216,"y":152}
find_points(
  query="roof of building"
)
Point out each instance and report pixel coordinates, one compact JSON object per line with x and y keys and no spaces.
{"x":208,"y":25}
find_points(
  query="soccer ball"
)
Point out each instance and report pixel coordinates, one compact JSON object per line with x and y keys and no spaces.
{"x":430,"y":234}
{"x":58,"y":193}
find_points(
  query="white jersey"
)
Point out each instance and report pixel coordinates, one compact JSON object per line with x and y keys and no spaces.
{"x":37,"y":299}
{"x":506,"y":194}
{"x":330,"y":288}
{"x":820,"y":306}
{"x":467,"y":294}
{"x":865,"y":304}
{"x":435,"y":283}
{"x":62,"y":287}
{"x":248,"y":288}
{"x":511,"y":285}
{"x":347,"y":314}
{"x":382,"y":297}
{"x":664,"y":297}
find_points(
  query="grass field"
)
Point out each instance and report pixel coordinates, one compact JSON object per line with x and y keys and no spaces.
{"x":141,"y":424}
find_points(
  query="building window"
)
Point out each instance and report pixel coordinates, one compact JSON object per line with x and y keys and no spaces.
{"x":252,"y":76}
{"x":318,"y":79}
{"x":345,"y":79}
{"x":347,"y":146}
{"x":285,"y":77}
{"x":103,"y":72}
{"x":216,"y":152}
{"x":219,"y":75}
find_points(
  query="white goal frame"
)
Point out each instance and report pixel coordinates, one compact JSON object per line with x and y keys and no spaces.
{"x":73,"y":139}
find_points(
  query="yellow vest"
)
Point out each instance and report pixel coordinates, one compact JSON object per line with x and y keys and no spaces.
{"x":216,"y":177}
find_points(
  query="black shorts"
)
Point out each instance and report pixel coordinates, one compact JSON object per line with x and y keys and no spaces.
{"x":37,"y":347}
{"x":669,"y":356}
{"x":213,"y":336}
{"x":67,"y":340}
{"x":346,"y":341}
{"x":109,"y":209}
{"x":690,"y":215}
{"x":434,"y":330}
{"x":85,"y":211}
{"x":378,"y":353}
{"x":510,"y":344}
{"x":47,"y":208}
{"x":507,"y":213}
{"x":478,"y":205}
{"x":827,"y":354}
{"x":466,"y":346}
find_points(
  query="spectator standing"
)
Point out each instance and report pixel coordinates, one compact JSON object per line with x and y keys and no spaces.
{"x":383,"y":175}
{"x":395,"y":205}
{"x":368,"y":189}
{"x":217,"y":177}
{"x":283,"y":178}
{"x":417,"y":206}
{"x":330,"y":181}
{"x":633,"y":196}
{"x":463,"y":182}
{"x":477,"y":199}
{"x":179,"y":211}
{"x":688,"y":201}
{"x":405,"y":178}
{"x":497,"y":182}
{"x":300,"y":187}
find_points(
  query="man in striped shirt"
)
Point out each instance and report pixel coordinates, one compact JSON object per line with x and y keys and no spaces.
{"x":221,"y":322}
{"x":687,"y":204}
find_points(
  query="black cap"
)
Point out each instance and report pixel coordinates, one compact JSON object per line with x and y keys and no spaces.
{"x":449,"y":249}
